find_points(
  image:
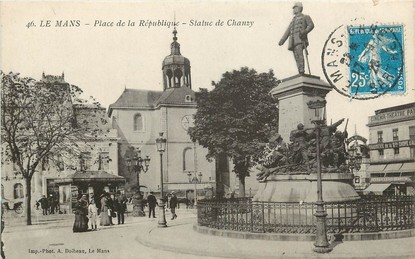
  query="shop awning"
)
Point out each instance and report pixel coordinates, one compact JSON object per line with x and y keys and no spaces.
{"x":377,"y":188}
{"x":376,"y":168}
{"x":408,"y":167}
{"x":393,"y":168}
{"x":91,"y":177}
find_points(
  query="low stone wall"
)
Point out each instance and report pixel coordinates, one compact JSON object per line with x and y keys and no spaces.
{"x":305,"y":237}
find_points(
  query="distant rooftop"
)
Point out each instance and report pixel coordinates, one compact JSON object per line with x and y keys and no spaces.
{"x":53,"y":79}
{"x":396,"y":108}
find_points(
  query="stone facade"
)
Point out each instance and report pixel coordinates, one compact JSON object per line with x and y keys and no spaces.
{"x":139,"y":116}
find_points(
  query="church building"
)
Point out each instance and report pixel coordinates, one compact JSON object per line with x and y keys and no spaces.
{"x":140,"y":115}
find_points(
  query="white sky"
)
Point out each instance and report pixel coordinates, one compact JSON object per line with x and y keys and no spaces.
{"x":103,"y":60}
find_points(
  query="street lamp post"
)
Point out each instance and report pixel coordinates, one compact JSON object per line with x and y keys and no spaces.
{"x":161,"y":147}
{"x":195,"y":179}
{"x":136,"y":164}
{"x":321,"y":244}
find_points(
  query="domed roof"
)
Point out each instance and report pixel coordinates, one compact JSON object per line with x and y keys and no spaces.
{"x":175,"y":57}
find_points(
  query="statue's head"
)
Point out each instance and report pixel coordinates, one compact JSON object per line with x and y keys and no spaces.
{"x":300,"y":126}
{"x":338,"y":133}
{"x":297,"y":8}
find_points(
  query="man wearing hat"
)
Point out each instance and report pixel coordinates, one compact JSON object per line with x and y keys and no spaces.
{"x":152,"y":202}
{"x":298,"y":29}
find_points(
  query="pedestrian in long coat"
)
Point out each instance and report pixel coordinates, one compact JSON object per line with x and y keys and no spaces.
{"x":111,"y":206}
{"x":152,"y":202}
{"x":105,"y":217}
{"x":120,"y":207}
{"x":81,"y":215}
{"x":173,"y":205}
{"x":44,"y":204}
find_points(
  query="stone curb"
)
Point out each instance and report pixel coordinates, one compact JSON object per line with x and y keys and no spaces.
{"x":302,"y":237}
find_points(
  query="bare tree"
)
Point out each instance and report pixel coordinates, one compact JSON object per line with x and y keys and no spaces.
{"x":38,"y":120}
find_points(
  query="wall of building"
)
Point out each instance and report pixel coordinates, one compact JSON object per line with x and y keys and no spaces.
{"x":388,"y":150}
{"x":169,"y":121}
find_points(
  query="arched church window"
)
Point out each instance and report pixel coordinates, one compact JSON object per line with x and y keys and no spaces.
{"x":188,"y":159}
{"x":138,"y":122}
{"x":18,"y":191}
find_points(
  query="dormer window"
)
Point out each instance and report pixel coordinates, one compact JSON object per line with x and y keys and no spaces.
{"x":188,"y":98}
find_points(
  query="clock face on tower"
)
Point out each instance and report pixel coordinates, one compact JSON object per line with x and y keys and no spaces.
{"x":187,"y":122}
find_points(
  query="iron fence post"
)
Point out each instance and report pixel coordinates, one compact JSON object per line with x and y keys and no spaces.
{"x":263,"y":217}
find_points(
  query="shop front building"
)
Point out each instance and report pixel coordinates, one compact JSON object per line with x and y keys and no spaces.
{"x":392,"y":150}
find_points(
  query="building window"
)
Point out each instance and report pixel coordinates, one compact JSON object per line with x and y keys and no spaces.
{"x":396,"y":151}
{"x":85,"y":161}
{"x":381,"y":153}
{"x":104,"y":158}
{"x":45,"y":163}
{"x":412,"y":132}
{"x":15,"y":167}
{"x":395,"y":134}
{"x":18,"y":191}
{"x":412,"y":152}
{"x":188,"y":159}
{"x":138,"y":122}
{"x":380,"y":136}
{"x":114,"y":121}
{"x":60,"y":165}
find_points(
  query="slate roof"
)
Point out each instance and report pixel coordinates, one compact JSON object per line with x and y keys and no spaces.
{"x":176,"y":96}
{"x":134,"y":98}
{"x":137,"y":98}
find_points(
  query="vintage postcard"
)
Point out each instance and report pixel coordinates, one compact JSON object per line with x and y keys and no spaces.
{"x":217,"y":129}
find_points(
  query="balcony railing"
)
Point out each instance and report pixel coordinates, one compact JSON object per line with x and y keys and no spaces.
{"x":369,"y":214}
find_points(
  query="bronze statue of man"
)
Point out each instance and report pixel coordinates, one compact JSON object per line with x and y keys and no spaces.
{"x":297,"y":31}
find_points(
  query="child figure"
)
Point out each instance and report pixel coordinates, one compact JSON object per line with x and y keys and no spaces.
{"x":93,"y":214}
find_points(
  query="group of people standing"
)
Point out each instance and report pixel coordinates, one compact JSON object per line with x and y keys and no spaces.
{"x":49,"y":205}
{"x":88,"y":213}
{"x":172,"y":204}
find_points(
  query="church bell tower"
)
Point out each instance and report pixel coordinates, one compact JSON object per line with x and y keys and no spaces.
{"x":176,"y":68}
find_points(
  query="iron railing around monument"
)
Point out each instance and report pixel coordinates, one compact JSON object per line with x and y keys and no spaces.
{"x":369,"y":214}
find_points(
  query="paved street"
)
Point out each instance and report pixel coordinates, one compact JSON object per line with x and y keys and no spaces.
{"x":118,"y":241}
{"x":140,"y":238}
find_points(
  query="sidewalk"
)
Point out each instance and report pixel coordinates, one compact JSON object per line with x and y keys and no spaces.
{"x":180,"y":237}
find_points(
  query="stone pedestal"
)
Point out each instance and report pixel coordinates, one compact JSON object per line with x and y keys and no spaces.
{"x":292,"y":96}
{"x":303,"y":188}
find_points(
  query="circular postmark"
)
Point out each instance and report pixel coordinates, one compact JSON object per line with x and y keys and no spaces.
{"x":364,"y":62}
